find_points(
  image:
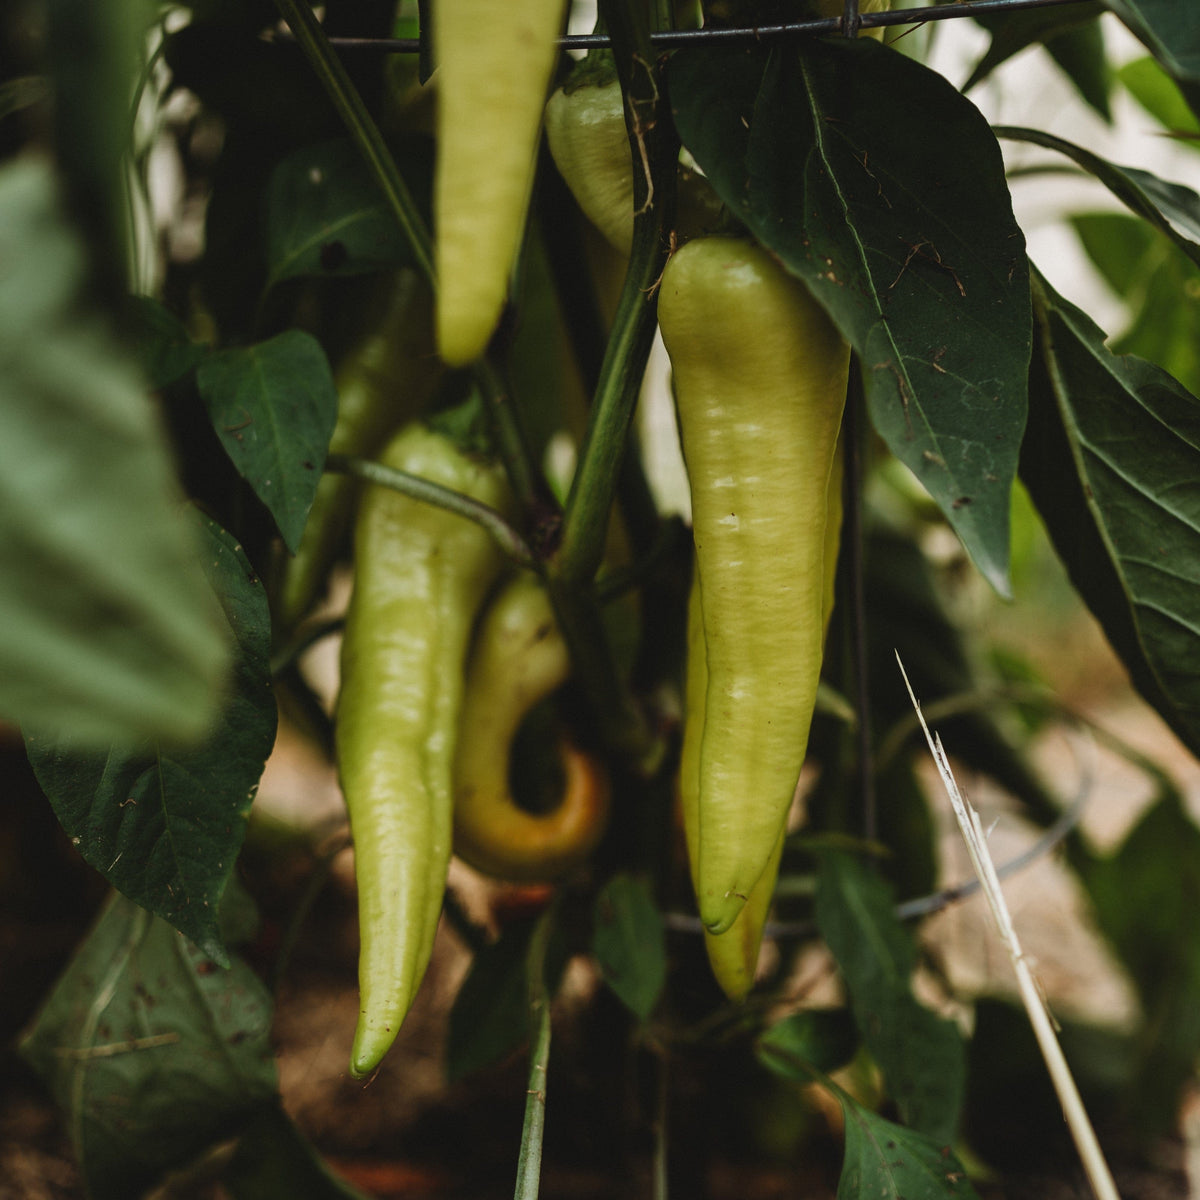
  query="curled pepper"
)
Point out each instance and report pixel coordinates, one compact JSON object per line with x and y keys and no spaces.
{"x":760,"y":378}
{"x":421,"y":576}
{"x":519,"y":659}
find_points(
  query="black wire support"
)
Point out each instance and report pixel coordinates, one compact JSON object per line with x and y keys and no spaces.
{"x":676,"y":38}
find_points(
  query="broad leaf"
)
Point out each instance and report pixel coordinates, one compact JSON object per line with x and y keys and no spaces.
{"x":1071,"y":34}
{"x":1161,"y":285}
{"x":164,"y":826}
{"x":885,"y":1161}
{"x":1147,"y":903}
{"x":151,"y":1050}
{"x":1172,"y":208}
{"x":274,"y":1161}
{"x":825,"y":1038}
{"x":629,"y":943}
{"x":326,"y":215}
{"x":106,"y":627}
{"x":1159,"y":95}
{"x":1111,"y":460}
{"x":273,"y":406}
{"x":1170,"y":29}
{"x":921,"y":1055}
{"x":490,"y":1016}
{"x":909,"y":241}
{"x":162,"y":343}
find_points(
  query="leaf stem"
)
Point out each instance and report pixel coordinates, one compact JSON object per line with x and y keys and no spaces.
{"x":344,"y":95}
{"x":505,"y":536}
{"x":654,"y":151}
{"x":529,"y":1164}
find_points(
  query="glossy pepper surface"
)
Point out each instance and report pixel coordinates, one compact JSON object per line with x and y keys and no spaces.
{"x":760,"y":377}
{"x":421,"y":576}
{"x":494,"y":67}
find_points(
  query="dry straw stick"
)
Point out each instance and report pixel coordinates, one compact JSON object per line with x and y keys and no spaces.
{"x":1090,"y":1153}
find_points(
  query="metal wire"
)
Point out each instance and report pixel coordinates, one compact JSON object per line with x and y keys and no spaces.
{"x":671,"y":39}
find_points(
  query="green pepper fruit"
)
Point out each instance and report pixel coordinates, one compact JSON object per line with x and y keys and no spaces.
{"x":733,"y":955}
{"x":760,"y":381}
{"x":421,"y":576}
{"x":384,"y":382}
{"x":494,"y":67}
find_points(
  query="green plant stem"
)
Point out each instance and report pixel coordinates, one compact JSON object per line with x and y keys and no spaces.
{"x":342,"y":92}
{"x":530,"y":490}
{"x":529,"y":1164}
{"x":505,"y":536}
{"x":577,"y":610}
{"x":654,"y":151}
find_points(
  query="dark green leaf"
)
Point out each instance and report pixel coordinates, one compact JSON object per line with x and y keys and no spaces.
{"x":1119,"y":247}
{"x":152,"y":1051}
{"x":94,"y":53}
{"x":1147,"y":903}
{"x":106,"y":627}
{"x":1155,"y":91}
{"x":885,"y":1161}
{"x":273,"y":406}
{"x":1079,"y":54}
{"x":1072,"y":35}
{"x":274,"y":1161}
{"x":825,"y":1038}
{"x":1004,"y":1061}
{"x":490,"y":1016}
{"x":1111,"y":460}
{"x":921,"y":1055}
{"x":163,"y":345}
{"x":823,"y":150}
{"x":1171,"y":208}
{"x":165,"y":827}
{"x":327,"y":216}
{"x":629,"y":942}
{"x":1161,"y":285}
{"x":1170,"y":29}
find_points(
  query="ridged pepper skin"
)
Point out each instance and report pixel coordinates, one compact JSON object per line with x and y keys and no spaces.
{"x":760,"y":378}
{"x":494,"y":67}
{"x":733,"y":955}
{"x":518,"y":659}
{"x":421,"y":576}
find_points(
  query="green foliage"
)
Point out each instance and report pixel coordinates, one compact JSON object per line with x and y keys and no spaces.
{"x":882,"y":189}
{"x":325,"y":214}
{"x":629,"y":944}
{"x":920,"y":1054}
{"x":1123,"y":520}
{"x":162,"y":825}
{"x":106,"y":627}
{"x":882,"y":1159}
{"x":1160,"y":284}
{"x":1147,"y":903}
{"x":273,"y":406}
{"x":152,"y":1050}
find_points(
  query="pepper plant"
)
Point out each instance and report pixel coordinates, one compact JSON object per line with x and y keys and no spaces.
{"x":399,"y":353}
